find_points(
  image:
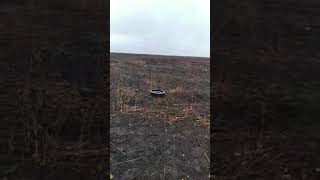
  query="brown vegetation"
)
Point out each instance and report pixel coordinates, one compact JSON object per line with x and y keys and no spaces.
{"x":265,"y":90}
{"x":157,"y":137}
{"x":53,"y":78}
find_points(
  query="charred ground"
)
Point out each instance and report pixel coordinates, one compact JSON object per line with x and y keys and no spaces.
{"x":159,"y":138}
{"x":266,"y":90}
{"x":53,"y":91}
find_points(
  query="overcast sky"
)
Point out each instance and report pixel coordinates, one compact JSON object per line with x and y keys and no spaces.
{"x":168,"y":27}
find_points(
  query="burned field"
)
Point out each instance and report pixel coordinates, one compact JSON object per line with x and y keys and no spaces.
{"x":159,"y":137}
{"x":265,"y":122}
{"x":266,"y":90}
{"x":53,"y":105}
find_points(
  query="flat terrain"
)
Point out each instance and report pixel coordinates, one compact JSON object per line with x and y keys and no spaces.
{"x":159,"y":138}
{"x":53,"y":111}
{"x":266,"y":90}
{"x":266,"y":117}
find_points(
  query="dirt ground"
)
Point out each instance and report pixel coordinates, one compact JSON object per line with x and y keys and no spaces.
{"x":159,"y":138}
{"x":53,"y":102}
{"x":266,"y":90}
{"x":266,"y":123}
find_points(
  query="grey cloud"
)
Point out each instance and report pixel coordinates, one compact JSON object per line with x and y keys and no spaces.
{"x":161,"y":27}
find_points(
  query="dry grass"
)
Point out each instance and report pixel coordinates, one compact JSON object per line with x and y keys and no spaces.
{"x":123,"y":96}
{"x":55,"y":117}
{"x":145,"y":125}
{"x":150,"y":83}
{"x":132,"y":79}
{"x":177,"y":90}
{"x":137,"y":62}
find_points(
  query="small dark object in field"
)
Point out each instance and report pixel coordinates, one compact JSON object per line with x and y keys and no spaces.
{"x":157,"y":92}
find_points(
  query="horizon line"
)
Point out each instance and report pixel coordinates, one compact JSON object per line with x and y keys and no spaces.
{"x":159,"y":54}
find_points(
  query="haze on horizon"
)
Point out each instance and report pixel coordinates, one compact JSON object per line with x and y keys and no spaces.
{"x":162,"y":27}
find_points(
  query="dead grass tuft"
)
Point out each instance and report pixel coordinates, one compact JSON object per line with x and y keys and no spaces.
{"x":177,"y":89}
{"x":137,"y":62}
{"x":123,"y":97}
{"x":203,"y":122}
{"x":150,"y":83}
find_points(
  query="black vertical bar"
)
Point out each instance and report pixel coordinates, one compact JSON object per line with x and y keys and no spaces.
{"x":54,"y":86}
